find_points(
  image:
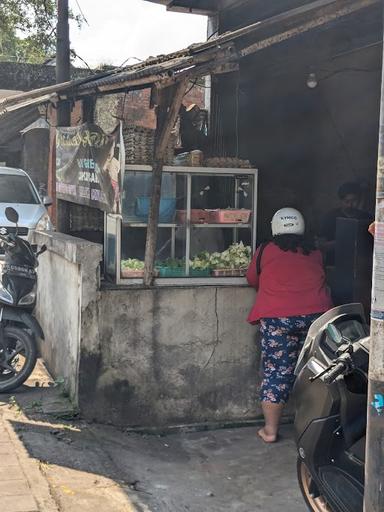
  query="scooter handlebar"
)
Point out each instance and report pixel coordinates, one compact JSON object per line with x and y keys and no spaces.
{"x":5,"y":241}
{"x":334,"y":372}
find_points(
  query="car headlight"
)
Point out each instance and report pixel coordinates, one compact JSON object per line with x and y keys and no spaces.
{"x":5,"y":296}
{"x":44,"y":223}
{"x":28,"y":299}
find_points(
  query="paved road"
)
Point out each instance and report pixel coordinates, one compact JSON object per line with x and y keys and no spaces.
{"x":50,"y":465}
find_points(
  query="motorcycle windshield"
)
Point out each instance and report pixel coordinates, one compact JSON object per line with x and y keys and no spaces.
{"x":321,"y":323}
{"x":21,"y":255}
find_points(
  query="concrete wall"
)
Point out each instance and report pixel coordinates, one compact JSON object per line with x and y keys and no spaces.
{"x":145,"y":357}
{"x":68,"y":280}
{"x":171,"y":355}
{"x":305,"y":142}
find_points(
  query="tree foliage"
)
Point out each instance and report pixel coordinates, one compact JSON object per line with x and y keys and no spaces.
{"x":28,"y":29}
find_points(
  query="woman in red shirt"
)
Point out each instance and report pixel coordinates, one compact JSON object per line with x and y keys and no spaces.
{"x":292,"y":292}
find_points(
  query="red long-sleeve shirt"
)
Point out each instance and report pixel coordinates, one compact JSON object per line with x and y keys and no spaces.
{"x":289,"y":284}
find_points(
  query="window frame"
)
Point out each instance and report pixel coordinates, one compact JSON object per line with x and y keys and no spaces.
{"x":113,"y":228}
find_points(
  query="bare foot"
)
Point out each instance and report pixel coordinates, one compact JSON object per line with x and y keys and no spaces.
{"x":267,"y":438}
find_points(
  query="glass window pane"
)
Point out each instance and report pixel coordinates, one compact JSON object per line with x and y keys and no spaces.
{"x":225,"y":251}
{"x":17,"y":189}
{"x":171,"y":243}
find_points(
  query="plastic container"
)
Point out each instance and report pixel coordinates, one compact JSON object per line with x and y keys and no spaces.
{"x":171,"y":272}
{"x":127,"y":273}
{"x":197,"y":216}
{"x":167,"y":208}
{"x":229,"y":272}
{"x":139,"y":184}
{"x":180,"y":272}
{"x":199,"y":272}
{"x":229,"y":216}
{"x":197,"y":158}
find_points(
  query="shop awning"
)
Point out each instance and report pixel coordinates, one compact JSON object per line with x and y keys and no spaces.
{"x":201,"y":59}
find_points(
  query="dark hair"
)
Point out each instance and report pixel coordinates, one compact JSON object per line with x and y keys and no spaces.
{"x":349,"y":188}
{"x":294,"y":242}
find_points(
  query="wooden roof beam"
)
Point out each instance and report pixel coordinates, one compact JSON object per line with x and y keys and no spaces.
{"x":306,"y":18}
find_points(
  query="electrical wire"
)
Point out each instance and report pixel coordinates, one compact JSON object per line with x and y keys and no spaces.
{"x":126,"y":60}
{"x":194,"y":82}
{"x":82,"y":13}
{"x":77,"y":56}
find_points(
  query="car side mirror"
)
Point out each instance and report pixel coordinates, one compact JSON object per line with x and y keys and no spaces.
{"x":47,"y":201}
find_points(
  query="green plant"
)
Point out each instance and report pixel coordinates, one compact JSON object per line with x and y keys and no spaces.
{"x":201,"y":261}
{"x":132,"y":264}
{"x":27,"y":29}
{"x":237,"y":256}
{"x":171,"y":263}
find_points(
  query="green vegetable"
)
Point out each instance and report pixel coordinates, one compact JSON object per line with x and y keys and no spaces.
{"x":132,"y":264}
{"x":201,"y":261}
{"x":171,"y":263}
{"x":237,"y":256}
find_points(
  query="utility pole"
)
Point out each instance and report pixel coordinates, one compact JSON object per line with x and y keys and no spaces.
{"x":374,"y":465}
{"x":63,"y":59}
{"x":60,"y":211}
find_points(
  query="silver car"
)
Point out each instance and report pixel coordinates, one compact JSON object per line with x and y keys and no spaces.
{"x":18,"y":191}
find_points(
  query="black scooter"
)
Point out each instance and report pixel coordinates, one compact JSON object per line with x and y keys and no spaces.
{"x":330,"y":396}
{"x":18,"y":327}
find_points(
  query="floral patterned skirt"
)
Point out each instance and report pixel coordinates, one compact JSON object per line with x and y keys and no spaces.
{"x":282,"y":340}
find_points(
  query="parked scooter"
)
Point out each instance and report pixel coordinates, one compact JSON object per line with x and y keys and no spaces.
{"x":330,"y":395}
{"x":18,"y":327}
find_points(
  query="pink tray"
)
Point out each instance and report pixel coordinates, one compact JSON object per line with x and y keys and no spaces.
{"x":133,"y":274}
{"x":197,"y":216}
{"x":229,"y":216}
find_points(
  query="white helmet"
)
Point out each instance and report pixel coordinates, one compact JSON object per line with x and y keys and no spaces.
{"x":288,"y":221}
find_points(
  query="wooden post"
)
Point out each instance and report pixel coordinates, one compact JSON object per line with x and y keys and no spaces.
{"x":374,"y":459}
{"x":169,"y":103}
{"x":51,"y":189}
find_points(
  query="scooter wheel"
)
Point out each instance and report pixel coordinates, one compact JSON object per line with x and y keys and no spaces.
{"x":315,"y":502}
{"x":21,"y":356}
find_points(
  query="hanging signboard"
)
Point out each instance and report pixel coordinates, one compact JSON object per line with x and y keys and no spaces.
{"x":89,"y":166}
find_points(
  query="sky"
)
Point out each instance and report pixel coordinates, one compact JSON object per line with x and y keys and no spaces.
{"x":122,"y":29}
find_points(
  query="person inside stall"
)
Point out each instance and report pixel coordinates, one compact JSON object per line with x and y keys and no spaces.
{"x":288,"y":274}
{"x":192,"y":128}
{"x":349,"y":196}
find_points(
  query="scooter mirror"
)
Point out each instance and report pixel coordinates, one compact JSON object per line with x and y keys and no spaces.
{"x":334,"y":333}
{"x":12,"y":215}
{"x":42,"y":250}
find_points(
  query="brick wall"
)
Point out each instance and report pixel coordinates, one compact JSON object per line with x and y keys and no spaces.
{"x":135,"y":106}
